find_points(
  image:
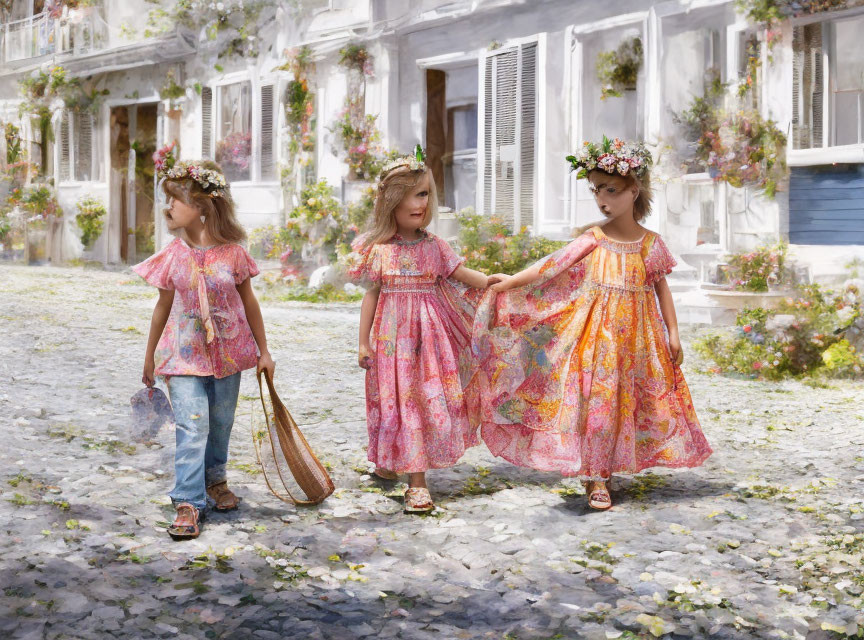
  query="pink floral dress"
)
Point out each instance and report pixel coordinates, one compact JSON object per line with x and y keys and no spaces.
{"x":576,"y":371}
{"x":417,"y":409}
{"x":207,"y":333}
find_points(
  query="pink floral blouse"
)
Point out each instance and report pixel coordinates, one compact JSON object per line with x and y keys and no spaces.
{"x":207,"y":333}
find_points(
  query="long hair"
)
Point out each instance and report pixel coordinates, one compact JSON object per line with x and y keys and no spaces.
{"x":220,"y":218}
{"x":392,"y":189}
{"x":642,"y":204}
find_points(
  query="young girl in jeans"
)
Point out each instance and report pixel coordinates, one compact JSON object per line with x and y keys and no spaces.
{"x":204,"y":332}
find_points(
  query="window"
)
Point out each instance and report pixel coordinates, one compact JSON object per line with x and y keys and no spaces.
{"x":848,"y":81}
{"x":828,"y":104}
{"x":234,"y":133}
{"x":510,"y":128}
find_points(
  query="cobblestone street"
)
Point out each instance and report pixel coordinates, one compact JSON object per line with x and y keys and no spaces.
{"x":764,"y":541}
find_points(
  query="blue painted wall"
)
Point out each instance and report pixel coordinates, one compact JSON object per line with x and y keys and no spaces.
{"x":826,"y":205}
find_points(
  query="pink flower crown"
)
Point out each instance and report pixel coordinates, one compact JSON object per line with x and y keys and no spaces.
{"x":612,"y":156}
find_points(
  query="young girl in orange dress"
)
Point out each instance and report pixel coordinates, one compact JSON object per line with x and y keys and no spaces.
{"x":580,"y":352}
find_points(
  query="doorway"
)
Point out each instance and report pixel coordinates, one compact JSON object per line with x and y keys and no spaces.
{"x":133,"y":142}
{"x":451,"y":133}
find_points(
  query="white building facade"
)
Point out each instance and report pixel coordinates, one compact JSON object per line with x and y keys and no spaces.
{"x":498,"y":91}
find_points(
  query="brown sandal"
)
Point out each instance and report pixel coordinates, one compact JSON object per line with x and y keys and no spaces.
{"x":223,"y":497}
{"x":187,"y":524}
{"x":598,"y":498}
{"x":385,"y":474}
{"x":418,"y":500}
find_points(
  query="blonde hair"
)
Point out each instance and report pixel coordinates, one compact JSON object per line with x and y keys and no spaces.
{"x":392,"y":189}
{"x":642,"y":204}
{"x":220,"y":218}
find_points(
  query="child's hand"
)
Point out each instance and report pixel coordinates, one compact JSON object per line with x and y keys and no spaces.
{"x":364,"y":357}
{"x":675,"y":349}
{"x":147,"y":378}
{"x":266,"y":362}
{"x":498,"y":282}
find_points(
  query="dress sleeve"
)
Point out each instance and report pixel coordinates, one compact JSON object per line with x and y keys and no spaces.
{"x":363,"y":263}
{"x":566,"y":258}
{"x":450,"y":260}
{"x":157,"y":270}
{"x":658,"y":261}
{"x":244,"y":265}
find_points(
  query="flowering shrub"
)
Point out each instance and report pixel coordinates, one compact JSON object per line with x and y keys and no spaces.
{"x":759,"y":269}
{"x":811,"y":333}
{"x":737,"y":145}
{"x":163,"y":159}
{"x":300,"y":101}
{"x":773,"y":11}
{"x":356,"y":57}
{"x":39,"y":201}
{"x":234,"y":153}
{"x":89,"y":219}
{"x":170,"y":89}
{"x":488,"y":245}
{"x":359,"y":140}
{"x":744,"y":149}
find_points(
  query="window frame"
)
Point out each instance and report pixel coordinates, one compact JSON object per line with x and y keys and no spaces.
{"x":828,"y":153}
{"x":216,"y":122}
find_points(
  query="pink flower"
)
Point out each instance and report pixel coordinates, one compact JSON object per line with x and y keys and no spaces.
{"x":747,"y":328}
{"x":757,"y":365}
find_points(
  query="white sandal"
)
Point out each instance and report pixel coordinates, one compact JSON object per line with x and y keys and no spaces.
{"x":418,"y":500}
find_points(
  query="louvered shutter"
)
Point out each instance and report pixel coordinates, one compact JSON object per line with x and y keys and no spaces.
{"x":84,"y":146}
{"x":807,"y":87}
{"x":65,"y":131}
{"x":528,"y":134}
{"x":488,"y":134}
{"x":267,"y":132}
{"x":510,"y":130}
{"x":206,"y":123}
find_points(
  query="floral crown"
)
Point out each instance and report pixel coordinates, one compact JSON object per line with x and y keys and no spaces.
{"x":417,"y":162}
{"x":612,"y":156}
{"x":211,"y":182}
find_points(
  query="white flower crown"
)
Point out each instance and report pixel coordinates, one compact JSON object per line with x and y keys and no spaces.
{"x":416,"y":162}
{"x":212,"y":182}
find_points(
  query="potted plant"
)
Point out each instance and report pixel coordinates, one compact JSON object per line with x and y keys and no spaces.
{"x":618,"y":70}
{"x":40,"y":207}
{"x":89,"y":219}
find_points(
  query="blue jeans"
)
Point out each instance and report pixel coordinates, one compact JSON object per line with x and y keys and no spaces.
{"x":204,"y":414}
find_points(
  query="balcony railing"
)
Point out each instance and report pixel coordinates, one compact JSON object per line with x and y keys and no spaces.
{"x":74,"y":33}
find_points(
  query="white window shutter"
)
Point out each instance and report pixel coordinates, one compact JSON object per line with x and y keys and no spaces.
{"x":65,"y":133}
{"x":267,"y":133}
{"x":206,"y":123}
{"x":807,"y":87}
{"x":528,"y":133}
{"x":510,"y":128}
{"x":84,"y":146}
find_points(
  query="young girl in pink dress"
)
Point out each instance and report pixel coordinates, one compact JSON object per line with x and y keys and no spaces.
{"x":204,"y":332}
{"x":415,"y":334}
{"x":582,"y":376}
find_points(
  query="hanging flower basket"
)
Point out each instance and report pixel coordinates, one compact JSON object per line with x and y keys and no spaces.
{"x":618,"y":70}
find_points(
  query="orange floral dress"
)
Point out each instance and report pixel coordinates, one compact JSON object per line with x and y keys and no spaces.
{"x":576,"y":371}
